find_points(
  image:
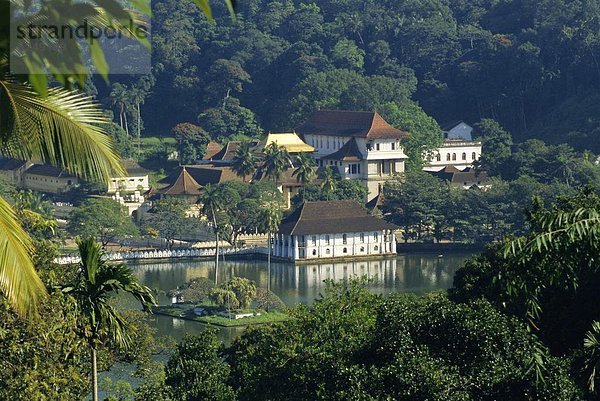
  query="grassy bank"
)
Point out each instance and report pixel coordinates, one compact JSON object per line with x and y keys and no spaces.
{"x":186,"y":312}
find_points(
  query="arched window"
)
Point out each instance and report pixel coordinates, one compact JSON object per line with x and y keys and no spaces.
{"x":376,"y":248}
{"x":473,"y":156}
{"x":327,"y":251}
{"x":464,"y":156}
{"x":314,"y":252}
{"x":453,"y":156}
{"x":345,"y":250}
{"x":438,"y":157}
{"x":344,"y":239}
{"x":448,"y":157}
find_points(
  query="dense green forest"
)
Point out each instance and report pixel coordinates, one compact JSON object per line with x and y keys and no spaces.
{"x":531,"y":65}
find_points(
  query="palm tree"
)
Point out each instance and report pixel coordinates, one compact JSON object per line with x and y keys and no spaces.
{"x":305,"y":169}
{"x":64,"y":129}
{"x":591,"y":350}
{"x":271,"y":218}
{"x":211,"y":203}
{"x":329,"y":182}
{"x":276,"y":161}
{"x":244,"y":162}
{"x":119,"y":98}
{"x":96,"y":282}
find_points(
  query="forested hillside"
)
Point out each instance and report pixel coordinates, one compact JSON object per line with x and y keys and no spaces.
{"x":534,"y":66}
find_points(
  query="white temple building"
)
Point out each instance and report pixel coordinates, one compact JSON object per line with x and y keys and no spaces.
{"x":332,"y":230}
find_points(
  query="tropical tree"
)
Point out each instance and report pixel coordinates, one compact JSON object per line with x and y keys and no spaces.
{"x":244,"y":161}
{"x":271,"y":218}
{"x":276,"y":161}
{"x":329,"y":184}
{"x":55,"y":125}
{"x":119,"y":98}
{"x":211,"y":202}
{"x":102,"y":218}
{"x":95,"y":284}
{"x":305,"y":168}
{"x":64,"y":129}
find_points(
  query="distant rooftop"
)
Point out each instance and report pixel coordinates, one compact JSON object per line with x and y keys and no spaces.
{"x":8,"y":164}
{"x":48,"y":171}
{"x":349,"y":152}
{"x":133,"y":168}
{"x":331,"y":217}
{"x":289,"y":140}
{"x":361,"y":124}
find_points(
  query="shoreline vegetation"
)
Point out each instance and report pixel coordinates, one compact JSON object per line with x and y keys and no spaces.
{"x":186,"y":312}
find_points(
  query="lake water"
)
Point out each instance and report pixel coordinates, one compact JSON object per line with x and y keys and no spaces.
{"x":415,"y":273}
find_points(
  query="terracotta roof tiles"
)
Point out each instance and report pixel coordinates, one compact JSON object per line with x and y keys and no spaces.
{"x":362,"y":124}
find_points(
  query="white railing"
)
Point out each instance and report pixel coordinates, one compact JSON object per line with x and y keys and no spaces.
{"x":164,"y":254}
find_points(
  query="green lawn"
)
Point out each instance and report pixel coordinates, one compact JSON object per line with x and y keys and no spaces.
{"x":185,"y":312}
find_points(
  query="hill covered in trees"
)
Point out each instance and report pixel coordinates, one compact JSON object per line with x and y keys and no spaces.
{"x":534,"y":66}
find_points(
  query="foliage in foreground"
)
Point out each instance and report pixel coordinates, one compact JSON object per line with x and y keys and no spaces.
{"x":352,"y":345}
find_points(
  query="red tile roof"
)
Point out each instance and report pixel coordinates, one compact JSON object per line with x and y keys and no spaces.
{"x":362,"y":124}
{"x":183,"y":185}
{"x":211,"y":150}
{"x":331,"y":217}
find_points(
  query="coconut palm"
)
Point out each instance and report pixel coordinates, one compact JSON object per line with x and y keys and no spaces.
{"x":329,"y":182}
{"x":54,"y":125}
{"x":119,"y":98}
{"x":63,"y":129}
{"x":211,"y":201}
{"x":271,"y":218}
{"x":276,"y":161}
{"x":96,"y":283}
{"x":305,"y":169}
{"x":591,"y":350}
{"x":244,"y":162}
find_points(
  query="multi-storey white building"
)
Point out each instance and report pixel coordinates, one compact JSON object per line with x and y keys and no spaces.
{"x":333,"y":229}
{"x":135,"y":180}
{"x":360,"y":144}
{"x":458,"y":153}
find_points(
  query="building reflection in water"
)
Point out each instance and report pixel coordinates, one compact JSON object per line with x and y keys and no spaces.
{"x":303,"y":283}
{"x":416,"y":273}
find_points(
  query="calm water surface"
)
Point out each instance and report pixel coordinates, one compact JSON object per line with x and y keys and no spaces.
{"x":416,"y":273}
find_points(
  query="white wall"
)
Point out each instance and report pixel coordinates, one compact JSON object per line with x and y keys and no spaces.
{"x":372,"y":243}
{"x":48,"y":184}
{"x":128,"y":184}
{"x":454,"y":152}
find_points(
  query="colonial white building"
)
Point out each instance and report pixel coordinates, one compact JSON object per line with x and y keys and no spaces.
{"x":136,"y":179}
{"x":49,"y":179}
{"x":458,"y":153}
{"x":332,"y":229}
{"x":361,"y":145}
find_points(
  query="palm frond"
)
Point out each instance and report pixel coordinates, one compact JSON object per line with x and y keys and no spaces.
{"x":18,"y":279}
{"x":63,"y":129}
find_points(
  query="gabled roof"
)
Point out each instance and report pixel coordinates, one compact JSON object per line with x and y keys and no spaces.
{"x":331,"y":217}
{"x":451,"y":124}
{"x":349,"y":152}
{"x":289,"y":140}
{"x":186,"y":178}
{"x":361,"y":124}
{"x":227,"y":152}
{"x":133,"y":168}
{"x":456,"y":176}
{"x":8,"y":164}
{"x":211,"y":150}
{"x":183,"y":185}
{"x":48,"y":171}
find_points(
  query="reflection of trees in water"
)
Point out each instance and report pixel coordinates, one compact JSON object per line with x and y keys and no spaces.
{"x":302,"y":283}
